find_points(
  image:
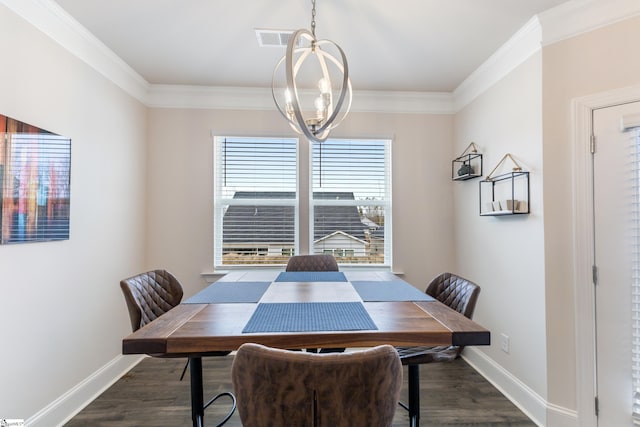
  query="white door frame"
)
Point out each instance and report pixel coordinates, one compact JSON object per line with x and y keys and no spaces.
{"x":583,"y":238}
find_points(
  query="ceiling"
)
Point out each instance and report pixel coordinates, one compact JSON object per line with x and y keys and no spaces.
{"x":404,"y":45}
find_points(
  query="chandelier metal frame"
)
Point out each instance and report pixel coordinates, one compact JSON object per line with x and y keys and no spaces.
{"x":327,"y":114}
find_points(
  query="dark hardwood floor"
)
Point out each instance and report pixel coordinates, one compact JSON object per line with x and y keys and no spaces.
{"x":452,"y":394}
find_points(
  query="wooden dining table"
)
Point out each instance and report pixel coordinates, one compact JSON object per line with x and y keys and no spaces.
{"x":300,"y":310}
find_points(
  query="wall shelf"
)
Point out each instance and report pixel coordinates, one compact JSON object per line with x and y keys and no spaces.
{"x":468,"y":165}
{"x":510,"y":189}
{"x":506,"y":194}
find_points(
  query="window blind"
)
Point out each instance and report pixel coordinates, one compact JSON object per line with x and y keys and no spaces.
{"x":351,"y":200}
{"x":635,"y":287}
{"x":254,"y":200}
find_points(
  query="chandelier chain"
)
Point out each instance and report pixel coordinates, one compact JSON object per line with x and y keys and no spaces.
{"x":313,"y":18}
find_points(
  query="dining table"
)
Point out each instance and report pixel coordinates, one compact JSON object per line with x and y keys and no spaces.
{"x":301,"y":310}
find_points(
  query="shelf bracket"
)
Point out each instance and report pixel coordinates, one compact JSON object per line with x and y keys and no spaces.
{"x":516,"y":168}
{"x":471,"y":148}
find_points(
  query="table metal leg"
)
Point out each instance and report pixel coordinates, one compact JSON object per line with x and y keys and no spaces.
{"x":197,"y":392}
{"x":414,"y":395}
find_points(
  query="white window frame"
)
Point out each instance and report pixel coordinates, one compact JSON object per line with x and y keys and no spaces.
{"x":221,"y":203}
{"x":386,"y":203}
{"x":303,"y":230}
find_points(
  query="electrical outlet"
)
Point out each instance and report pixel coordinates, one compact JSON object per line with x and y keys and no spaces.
{"x":504,"y":342}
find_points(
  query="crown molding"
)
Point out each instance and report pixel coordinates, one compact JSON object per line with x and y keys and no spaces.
{"x":559,"y":23}
{"x":567,"y":20}
{"x":243,"y":98}
{"x":524,"y":43}
{"x":226,"y":98}
{"x":52,"y":20}
{"x":403,"y":102}
{"x":580,"y":16}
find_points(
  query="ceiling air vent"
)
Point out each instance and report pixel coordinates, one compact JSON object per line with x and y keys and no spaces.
{"x":273,"y":38}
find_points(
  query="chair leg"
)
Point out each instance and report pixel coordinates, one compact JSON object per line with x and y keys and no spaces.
{"x":186,"y":365}
{"x":414,"y":395}
{"x":231,"y":411}
{"x":197,"y":399}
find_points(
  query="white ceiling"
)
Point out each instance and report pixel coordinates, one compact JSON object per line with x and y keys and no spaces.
{"x":404,"y":45}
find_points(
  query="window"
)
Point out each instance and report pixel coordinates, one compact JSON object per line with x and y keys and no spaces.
{"x":256,"y":198}
{"x":351,"y":200}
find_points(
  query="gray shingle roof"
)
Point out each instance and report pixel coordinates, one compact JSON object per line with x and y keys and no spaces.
{"x":275,"y":224}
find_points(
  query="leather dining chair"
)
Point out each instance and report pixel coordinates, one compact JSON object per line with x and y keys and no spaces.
{"x":151,"y":294}
{"x":322,"y":262}
{"x":278,"y":387}
{"x":318,"y":262}
{"x":459,"y":294}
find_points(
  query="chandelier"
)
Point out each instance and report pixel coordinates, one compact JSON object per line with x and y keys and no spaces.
{"x":317,"y":84}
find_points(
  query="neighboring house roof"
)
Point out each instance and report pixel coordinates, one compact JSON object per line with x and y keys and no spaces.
{"x":275,"y":224}
{"x":259,"y":224}
{"x":337,"y":233}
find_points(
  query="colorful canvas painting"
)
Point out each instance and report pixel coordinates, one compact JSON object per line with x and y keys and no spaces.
{"x":35,"y":172}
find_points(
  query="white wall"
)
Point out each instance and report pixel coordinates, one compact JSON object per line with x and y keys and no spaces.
{"x":63,"y":315}
{"x":505,"y":255}
{"x":591,"y":63}
{"x":526,"y":265}
{"x":180,"y":190}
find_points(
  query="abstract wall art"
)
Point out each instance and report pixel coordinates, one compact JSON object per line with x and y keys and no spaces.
{"x":35,"y":173}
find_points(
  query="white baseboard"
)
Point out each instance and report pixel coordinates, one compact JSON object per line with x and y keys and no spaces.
{"x":528,"y":401}
{"x":61,"y":410}
{"x":558,"y":416}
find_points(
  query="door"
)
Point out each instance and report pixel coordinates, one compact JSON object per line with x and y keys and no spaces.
{"x":614,"y":184}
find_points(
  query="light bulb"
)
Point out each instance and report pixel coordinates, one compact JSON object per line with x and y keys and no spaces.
{"x":320,"y":108}
{"x":323,"y":85}
{"x":288,"y":107}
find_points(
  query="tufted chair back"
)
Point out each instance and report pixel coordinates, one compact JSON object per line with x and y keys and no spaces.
{"x":312,"y":263}
{"x":456,"y":292}
{"x":459,"y":294}
{"x":279,"y":387}
{"x":149,"y":295}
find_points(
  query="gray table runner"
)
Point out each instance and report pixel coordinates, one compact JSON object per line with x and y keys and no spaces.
{"x":394,"y":290}
{"x":230,"y":292}
{"x":309,"y":317}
